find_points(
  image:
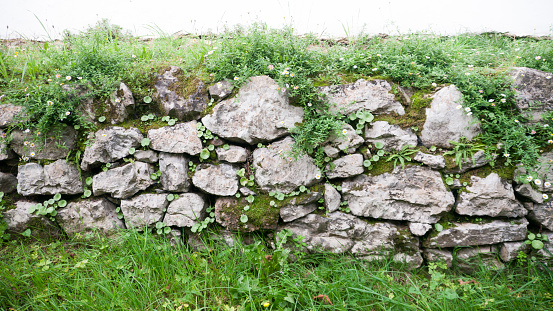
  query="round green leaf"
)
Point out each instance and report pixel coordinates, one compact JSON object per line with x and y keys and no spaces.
{"x":380,"y":153}
{"x":57,"y":197}
{"x":537,"y":244}
{"x":438,"y":227}
{"x":145,"y":142}
{"x":204,"y":154}
{"x":132,"y":150}
{"x":531,"y":236}
{"x":226,"y":147}
{"x":144,"y":118}
{"x":246,"y":208}
{"x":147,"y":99}
{"x":375,"y":158}
{"x":87,"y":193}
{"x":170,"y":197}
{"x":151,"y":116}
{"x":244,"y":218}
{"x":166,"y":230}
{"x":101,"y":119}
{"x":62,"y":203}
{"x":379,"y":145}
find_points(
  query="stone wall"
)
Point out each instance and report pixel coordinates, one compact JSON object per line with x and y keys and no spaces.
{"x":233,"y":167}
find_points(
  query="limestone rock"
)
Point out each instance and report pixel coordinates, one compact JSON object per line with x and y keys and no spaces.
{"x":144,"y":210}
{"x":490,"y":196}
{"x":467,"y":234}
{"x":526,"y":191}
{"x":444,"y":122}
{"x":471,"y":259}
{"x":220,"y":90}
{"x":174,"y":104}
{"x":533,"y":87}
{"x":246,"y":191}
{"x":260,"y":113}
{"x":419,"y":229}
{"x":123,"y":182}
{"x":392,"y":136}
{"x":57,"y":177}
{"x":89,"y":215}
{"x":332,"y":198}
{"x":18,"y":220}
{"x":477,"y":160}
{"x":5,"y":153}
{"x":432,"y":254}
{"x":120,"y":105}
{"x":293,"y":212}
{"x":181,"y":138}
{"x":436,"y":162}
{"x":416,"y":194}
{"x":339,"y":233}
{"x":174,"y":172}
{"x":349,"y":143}
{"x":543,"y":214}
{"x":234,"y":154}
{"x":229,"y":210}
{"x":348,"y":166}
{"x":272,"y":172}
{"x":53,"y":149}
{"x":148,"y":156}
{"x":216,"y":179}
{"x":510,"y":250}
{"x":186,"y":211}
{"x":8,"y":183}
{"x":109,"y":145}
{"x":7,"y":114}
{"x":373,"y":96}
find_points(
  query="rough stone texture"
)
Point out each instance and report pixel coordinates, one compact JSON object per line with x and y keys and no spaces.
{"x":8,"y":183}
{"x":181,"y":138}
{"x":349,"y":143}
{"x":272,"y":172}
{"x":292,"y":212}
{"x":373,"y":96}
{"x":490,"y":196}
{"x":5,"y":153}
{"x":216,"y":179}
{"x":533,"y":87}
{"x":436,"y":162}
{"x":7,"y":114}
{"x":542,"y":214}
{"x":431,"y":254}
{"x":220,"y":90}
{"x":478,"y":160}
{"x":341,"y":232}
{"x":123,"y":182}
{"x":148,"y":156}
{"x":50,"y":150}
{"x":57,"y":177}
{"x":392,"y":136}
{"x":509,"y":250}
{"x":174,"y":104}
{"x":186,"y":211}
{"x":109,"y":145}
{"x":259,"y":113}
{"x":246,"y":191}
{"x":416,"y":194}
{"x":470,"y":259}
{"x":444,"y":122}
{"x":526,"y":191}
{"x":174,"y":172}
{"x":419,"y":229}
{"x":348,"y":166}
{"x":144,"y":210}
{"x":544,"y":171}
{"x":18,"y":220}
{"x":228,"y":211}
{"x":467,"y":234}
{"x":332,"y":198}
{"x":234,"y":154}
{"x":120,"y":105}
{"x":88,"y":215}
{"x":547,"y":245}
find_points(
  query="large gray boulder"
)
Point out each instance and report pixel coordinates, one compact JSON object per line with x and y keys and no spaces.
{"x":436,"y":162}
{"x":274,"y":172}
{"x":57,"y":145}
{"x":7,"y":114}
{"x":18,"y":220}
{"x":144,"y":210}
{"x":542,"y":214}
{"x":109,"y":145}
{"x":174,"y":172}
{"x":510,"y":250}
{"x":172,"y":102}
{"x":234,"y":154}
{"x":416,"y":194}
{"x":8,"y":182}
{"x":467,"y":234}
{"x":444,"y":122}
{"x":392,"y":136}
{"x":216,"y":179}
{"x":373,"y":96}
{"x":186,"y":211}
{"x":527,"y":192}
{"x":339,"y":233}
{"x":347,"y":143}
{"x":123,"y":182}
{"x":148,"y":156}
{"x":259,"y":113}
{"x":300,"y":206}
{"x":89,"y":215}
{"x":120,"y":105}
{"x":181,"y":138}
{"x":490,"y":196}
{"x":57,"y":177}
{"x":332,"y":198}
{"x":344,"y":167}
{"x":534,"y":91}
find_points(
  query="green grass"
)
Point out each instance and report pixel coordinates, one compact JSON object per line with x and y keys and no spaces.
{"x":137,"y":271}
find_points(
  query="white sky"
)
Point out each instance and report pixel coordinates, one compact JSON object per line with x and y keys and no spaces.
{"x":322,"y":17}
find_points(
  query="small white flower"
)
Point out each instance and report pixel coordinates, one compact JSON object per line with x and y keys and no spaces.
{"x":219,"y":84}
{"x":117,"y":100}
{"x":236,"y":78}
{"x":550,"y":141}
{"x":503,"y":100}
{"x":491,"y":100}
{"x":354,"y":66}
{"x":537,"y":182}
{"x":480,"y":91}
{"x":506,"y":155}
{"x":547,"y":184}
{"x":469,"y":114}
{"x":32,"y":145}
{"x":104,"y":135}
{"x":545,"y":196}
{"x":467,"y":109}
{"x":378,"y":55}
{"x":503,"y":95}
{"x":537,"y":57}
{"x":458,"y":107}
{"x":25,"y":143}
{"x":318,"y":176}
{"x":32,"y":154}
{"x":67,"y":113}
{"x":517,"y":121}
{"x":434,"y":84}
{"x":210,"y":52}
{"x":309,"y":104}
{"x":25,"y":158}
{"x":49,"y":103}
{"x":427,"y":57}
{"x":529,"y":178}
{"x":80,"y":78}
{"x":548,"y":77}
{"x":68,"y":78}
{"x":344,"y":131}
{"x":546,"y":125}
{"x":341,"y":58}
{"x":375,"y":69}
{"x":133,"y":56}
{"x":467,"y":73}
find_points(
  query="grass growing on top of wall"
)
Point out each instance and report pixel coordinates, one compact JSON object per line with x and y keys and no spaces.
{"x":140,"y":272}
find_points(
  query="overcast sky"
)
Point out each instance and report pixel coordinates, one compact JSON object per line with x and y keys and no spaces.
{"x":328,"y":18}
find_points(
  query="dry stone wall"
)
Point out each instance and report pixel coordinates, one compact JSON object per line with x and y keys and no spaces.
{"x":232,"y":170}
